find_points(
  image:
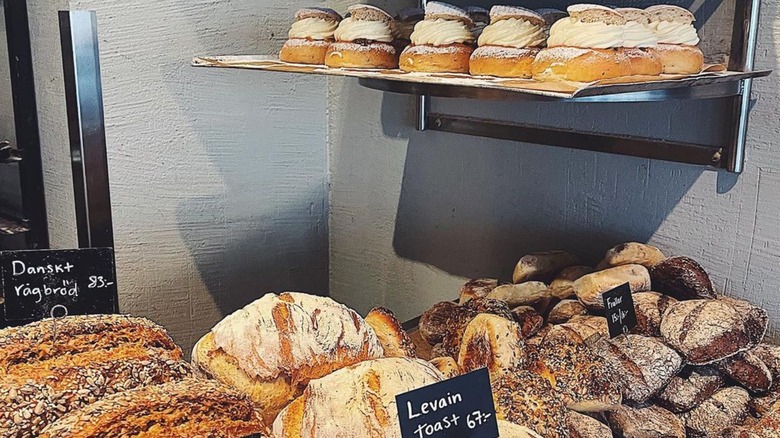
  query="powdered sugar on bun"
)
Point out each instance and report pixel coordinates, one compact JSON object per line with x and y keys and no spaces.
{"x":282,"y":334}
{"x":670,"y":13}
{"x":434,"y":10}
{"x":369,"y":13}
{"x":321,"y":13}
{"x":588,"y":13}
{"x":499,"y":12}
{"x":502,"y":52}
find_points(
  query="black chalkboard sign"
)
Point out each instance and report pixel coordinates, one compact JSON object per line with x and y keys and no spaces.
{"x":619,"y":310}
{"x":456,"y":408}
{"x":83,"y":281}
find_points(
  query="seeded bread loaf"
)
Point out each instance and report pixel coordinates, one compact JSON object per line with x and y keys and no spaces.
{"x":392,"y":337}
{"x":186,"y":408}
{"x":727,"y":407}
{"x":645,"y":422}
{"x":355,"y":402}
{"x":271,"y":348}
{"x":524,"y":398}
{"x":529,"y":319}
{"x":493,"y":342}
{"x":434,"y":321}
{"x":512,"y":430}
{"x":462,"y":316}
{"x":689,"y":389}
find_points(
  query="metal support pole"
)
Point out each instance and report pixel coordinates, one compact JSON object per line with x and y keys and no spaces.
{"x":84,"y":96}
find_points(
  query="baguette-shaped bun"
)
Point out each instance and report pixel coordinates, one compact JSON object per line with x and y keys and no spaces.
{"x":355,"y":402}
{"x":392,"y":337}
{"x":580,"y":65}
{"x":542,"y":266}
{"x":589,"y":288}
{"x":453,"y":58}
{"x":271,"y":348}
{"x":187,"y":408}
{"x":679,"y":58}
{"x":632,"y":253}
{"x":493,"y":342}
{"x":523,"y":294}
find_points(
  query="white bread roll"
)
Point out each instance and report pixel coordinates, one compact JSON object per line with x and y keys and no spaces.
{"x":355,"y":402}
{"x":271,"y":348}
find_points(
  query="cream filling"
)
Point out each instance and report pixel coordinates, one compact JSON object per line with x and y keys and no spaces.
{"x":351,"y":30}
{"x":313,"y":29}
{"x":636,"y":34}
{"x":669,"y":32}
{"x":440,"y":32}
{"x":512,"y":32}
{"x":574,"y":33}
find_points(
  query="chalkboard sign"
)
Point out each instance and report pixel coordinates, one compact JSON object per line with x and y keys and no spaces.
{"x":456,"y":408}
{"x":619,"y":310}
{"x":83,"y":281}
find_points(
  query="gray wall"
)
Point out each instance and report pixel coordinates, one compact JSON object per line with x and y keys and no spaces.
{"x":413,"y":214}
{"x":217,"y":197}
{"x":10,"y":201}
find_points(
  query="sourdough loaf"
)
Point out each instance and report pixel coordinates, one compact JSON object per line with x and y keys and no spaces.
{"x":493,"y":342}
{"x":271,"y":348}
{"x":542,"y":266}
{"x":463,"y":315}
{"x":770,"y":355}
{"x":756,"y":319}
{"x":649,"y":308}
{"x":355,"y":402}
{"x":748,"y":371}
{"x":529,"y":319}
{"x":391,"y":335}
{"x":476,"y":288}
{"x":434,"y":321}
{"x":589,"y":288}
{"x":186,"y":408}
{"x":529,"y":293}
{"x":565,"y":310}
{"x":645,"y":422}
{"x":727,"y":407}
{"x":562,"y":286}
{"x":447,"y":366}
{"x":583,"y":426}
{"x":682,"y":278}
{"x":689,"y":389}
{"x":524,"y":398}
{"x":631,"y":253}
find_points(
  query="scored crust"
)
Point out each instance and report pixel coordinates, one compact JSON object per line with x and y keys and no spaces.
{"x":588,"y":13}
{"x":369,"y":13}
{"x":453,"y":58}
{"x":392,"y":337}
{"x":499,"y":12}
{"x":322,"y":13}
{"x":375,"y":55}
{"x":304,"y":51}
{"x":446,"y":11}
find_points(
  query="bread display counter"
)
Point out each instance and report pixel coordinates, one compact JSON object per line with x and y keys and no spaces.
{"x":292,"y":365}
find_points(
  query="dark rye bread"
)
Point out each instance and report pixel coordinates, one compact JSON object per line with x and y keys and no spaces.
{"x":645,"y":365}
{"x":689,"y":389}
{"x":582,"y":426}
{"x":706,"y":331}
{"x":727,"y":407}
{"x":748,"y":371}
{"x":770,"y":355}
{"x":522,"y":397}
{"x":682,"y":278}
{"x":433,"y":322}
{"x":756,"y":319}
{"x":649,"y":308}
{"x":645,"y":422}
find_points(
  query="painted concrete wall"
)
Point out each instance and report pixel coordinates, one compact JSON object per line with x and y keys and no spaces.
{"x":413,"y":214}
{"x":217,"y":197}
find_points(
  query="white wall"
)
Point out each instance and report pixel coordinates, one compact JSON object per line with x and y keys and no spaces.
{"x":413,"y":214}
{"x":217,"y":197}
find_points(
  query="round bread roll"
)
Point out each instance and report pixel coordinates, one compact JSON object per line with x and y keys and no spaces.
{"x":643,"y":62}
{"x":303,"y":51}
{"x":374,"y":54}
{"x":452,"y":58}
{"x":679,"y":58}
{"x":355,"y":402}
{"x":503,"y":62}
{"x":579,"y":65}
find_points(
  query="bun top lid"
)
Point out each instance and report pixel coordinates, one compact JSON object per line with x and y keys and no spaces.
{"x":635,"y":14}
{"x":588,"y":13}
{"x":477,"y":14}
{"x":498,"y":13}
{"x":369,"y":13}
{"x":410,"y":14}
{"x":446,"y":11}
{"x":322,"y":13}
{"x":670,"y":13}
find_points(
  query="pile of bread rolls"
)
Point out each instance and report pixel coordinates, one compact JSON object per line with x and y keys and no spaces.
{"x":696,"y":364}
{"x":589,"y":43}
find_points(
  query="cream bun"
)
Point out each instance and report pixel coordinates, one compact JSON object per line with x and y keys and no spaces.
{"x":508,"y":46}
{"x":364,"y":40}
{"x":405,"y":21}
{"x":442,"y":42}
{"x":638,"y":41}
{"x":310,"y":36}
{"x":480,"y":17}
{"x":584,"y":46}
{"x":677,"y":39}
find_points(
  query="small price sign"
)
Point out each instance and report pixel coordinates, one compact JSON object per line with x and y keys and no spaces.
{"x":619,"y":310}
{"x":72,"y":281}
{"x":456,"y":408}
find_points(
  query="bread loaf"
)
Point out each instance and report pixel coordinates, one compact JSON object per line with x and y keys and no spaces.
{"x":562,"y":286}
{"x":355,"y":402}
{"x":589,"y":288}
{"x":529,"y":319}
{"x":589,"y":326}
{"x":727,"y":407}
{"x":392,"y":337}
{"x":748,"y":371}
{"x":22,"y":349}
{"x":755,"y":319}
{"x":186,"y":408}
{"x":463,"y":315}
{"x":645,"y":422}
{"x":770,"y":355}
{"x":271,"y":348}
{"x":705,"y":331}
{"x":682,"y":278}
{"x":512,"y":430}
{"x":524,"y":398}
{"x":689,"y":389}
{"x":33,"y":402}
{"x":645,"y":364}
{"x":447,"y":366}
{"x":565,"y":310}
{"x":582,"y":426}
{"x":649,"y":308}
{"x":493,"y":342}
{"x":476,"y":288}
{"x":632,"y":253}
{"x":542,"y":266}
{"x":433,"y":323}
{"x":522,"y":294}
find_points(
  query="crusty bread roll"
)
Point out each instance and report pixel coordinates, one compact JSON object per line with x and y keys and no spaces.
{"x":589,"y":326}
{"x":770,"y":355}
{"x":303,"y":51}
{"x":502,"y":62}
{"x":345,"y":54}
{"x":679,"y":58}
{"x":591,"y":287}
{"x":565,"y":310}
{"x":580,"y":65}
{"x":493,"y":342}
{"x":527,"y":293}
{"x":355,"y":402}
{"x":447,"y":366}
{"x":631,"y":253}
{"x":392,"y":337}
{"x":649,"y":308}
{"x":187,"y":408}
{"x":727,"y":407}
{"x":688,"y":389}
{"x":682,"y":278}
{"x":561,"y":287}
{"x":271,"y":348}
{"x":463,"y":315}
{"x":433,"y":323}
{"x":452,"y":58}
{"x":529,"y":319}
{"x":542,"y":266}
{"x":747,"y":370}
{"x":645,"y":422}
{"x":476,"y":288}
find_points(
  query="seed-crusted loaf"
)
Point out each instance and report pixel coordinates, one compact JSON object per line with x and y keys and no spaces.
{"x":186,"y":408}
{"x":462,"y":316}
{"x":271,"y":348}
{"x":493,"y":342}
{"x":392,"y":337}
{"x":522,"y":397}
{"x":433,"y":322}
